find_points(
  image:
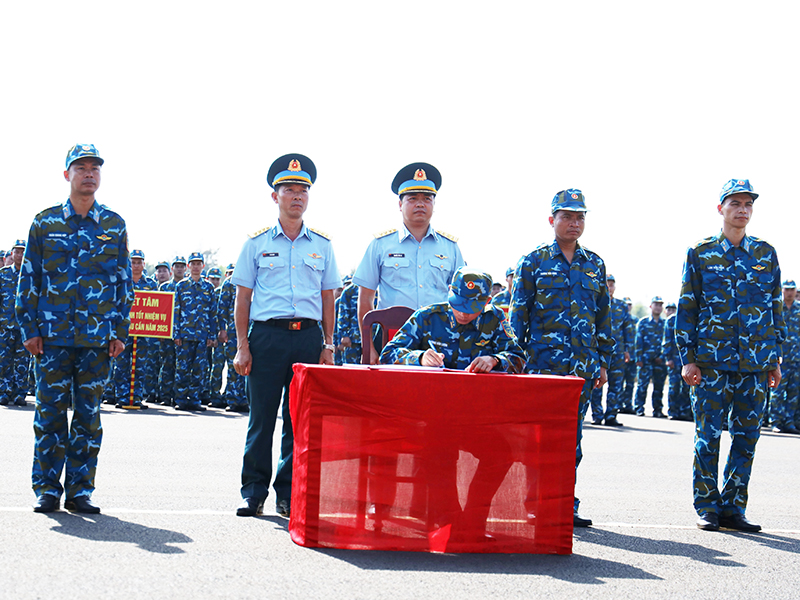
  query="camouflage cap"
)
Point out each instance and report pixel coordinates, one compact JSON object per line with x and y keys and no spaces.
{"x":163,"y":263}
{"x":670,"y":305}
{"x":736,"y":186}
{"x":137,"y":254}
{"x":178,"y":260}
{"x":470,"y":290}
{"x":658,"y":299}
{"x":215,"y":272}
{"x":196,"y":256}
{"x":627,"y":300}
{"x":571,"y":199}
{"x":230,"y":267}
{"x":610,"y":277}
{"x":18,"y":244}
{"x":79,"y":151}
{"x":510,"y":271}
{"x":7,"y":253}
{"x":789,"y":284}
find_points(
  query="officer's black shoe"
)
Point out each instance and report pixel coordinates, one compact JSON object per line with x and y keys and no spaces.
{"x":82,"y":504}
{"x":612,"y":422}
{"x":739,"y":523}
{"x":708,"y":522}
{"x":250,"y":507}
{"x":579,"y":521}
{"x":46,"y":503}
{"x":282,"y":508}
{"x":658,"y":415}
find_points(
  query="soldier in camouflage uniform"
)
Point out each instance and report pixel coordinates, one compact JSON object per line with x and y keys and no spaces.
{"x":622,"y":331}
{"x":14,"y":360}
{"x":467,"y":333}
{"x":629,"y":380}
{"x":503,"y":299}
{"x":166,"y":376}
{"x":649,"y":336}
{"x":216,"y":353}
{"x":348,"y":332}
{"x":235,"y":392}
{"x":560,"y":309}
{"x":729,"y":330}
{"x":680,"y":408}
{"x":195,"y":330}
{"x":73,"y":303}
{"x":784,"y":405}
{"x":123,"y":363}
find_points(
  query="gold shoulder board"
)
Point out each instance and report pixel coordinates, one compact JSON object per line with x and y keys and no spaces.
{"x":452,"y":238}
{"x":320,"y":233}
{"x":385,"y":233}
{"x":259,"y":232}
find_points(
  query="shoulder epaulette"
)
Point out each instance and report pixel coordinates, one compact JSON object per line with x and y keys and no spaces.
{"x":385,"y":233}
{"x":707,"y":240}
{"x":452,"y":238}
{"x":320,"y":233}
{"x":259,"y":232}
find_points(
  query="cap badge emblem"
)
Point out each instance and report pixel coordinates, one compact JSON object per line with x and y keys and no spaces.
{"x":86,"y":148}
{"x":574,"y":196}
{"x":470,"y":285}
{"x":740,"y":182}
{"x":420,"y":175}
{"x":294,"y":165}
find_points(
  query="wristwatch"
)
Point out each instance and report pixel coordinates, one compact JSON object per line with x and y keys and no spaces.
{"x":330,"y":347}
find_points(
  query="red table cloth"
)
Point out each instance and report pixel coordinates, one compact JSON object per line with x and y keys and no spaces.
{"x":405,"y":458}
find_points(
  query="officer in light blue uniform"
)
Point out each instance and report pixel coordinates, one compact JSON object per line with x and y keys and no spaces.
{"x":285,"y":277}
{"x":414,"y":265}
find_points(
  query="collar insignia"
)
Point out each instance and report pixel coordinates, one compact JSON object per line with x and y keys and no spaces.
{"x":104,"y":238}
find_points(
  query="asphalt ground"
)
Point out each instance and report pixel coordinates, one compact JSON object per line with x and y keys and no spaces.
{"x":168,"y":484}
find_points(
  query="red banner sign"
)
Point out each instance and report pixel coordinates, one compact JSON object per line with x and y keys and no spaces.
{"x":152,"y":314}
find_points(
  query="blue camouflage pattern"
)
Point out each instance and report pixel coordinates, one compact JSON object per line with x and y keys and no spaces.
{"x":14,"y":359}
{"x":123,"y":363}
{"x":435,"y":326}
{"x":235,"y":392}
{"x":196,"y":328}
{"x":783,"y":405}
{"x":649,"y":337}
{"x":166,"y":373}
{"x":624,"y":335}
{"x":347,"y":326}
{"x":678,"y":404}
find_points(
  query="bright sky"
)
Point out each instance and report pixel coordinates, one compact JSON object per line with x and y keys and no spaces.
{"x":648,"y":108}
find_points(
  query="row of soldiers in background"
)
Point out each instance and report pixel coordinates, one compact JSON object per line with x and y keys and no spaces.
{"x":186,"y":371}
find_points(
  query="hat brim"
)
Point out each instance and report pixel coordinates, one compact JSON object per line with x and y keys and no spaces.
{"x":467,"y":305}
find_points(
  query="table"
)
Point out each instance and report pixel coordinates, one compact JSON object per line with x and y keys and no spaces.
{"x":409,"y":458}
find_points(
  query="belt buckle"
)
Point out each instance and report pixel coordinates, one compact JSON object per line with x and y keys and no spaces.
{"x":295,"y":325}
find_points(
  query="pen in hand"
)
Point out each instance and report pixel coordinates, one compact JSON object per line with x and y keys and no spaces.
{"x":432,"y":358}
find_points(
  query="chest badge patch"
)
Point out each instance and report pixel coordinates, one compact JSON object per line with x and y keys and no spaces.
{"x":104,"y":238}
{"x":591,"y":274}
{"x":759,"y":268}
{"x":440,"y":256}
{"x":315,"y":255}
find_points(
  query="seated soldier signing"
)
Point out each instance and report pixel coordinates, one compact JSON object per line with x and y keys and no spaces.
{"x":466,"y":332}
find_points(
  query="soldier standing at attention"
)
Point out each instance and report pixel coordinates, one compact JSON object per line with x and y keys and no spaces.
{"x":216,"y":352}
{"x":14,"y":360}
{"x":123,"y":363}
{"x":285,"y":278}
{"x":649,"y":336}
{"x":411,"y":266}
{"x":235,"y":396}
{"x":560,"y":309}
{"x":166,"y":376}
{"x":729,"y":332}
{"x":679,"y":408}
{"x":347,"y":325}
{"x":195,"y":331}
{"x":783,"y":406}
{"x":73,"y":303}
{"x":629,"y":381}
{"x":503,"y":299}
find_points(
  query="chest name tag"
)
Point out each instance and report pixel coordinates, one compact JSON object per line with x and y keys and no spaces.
{"x":56,"y":235}
{"x":270,"y":254}
{"x":397,"y":255}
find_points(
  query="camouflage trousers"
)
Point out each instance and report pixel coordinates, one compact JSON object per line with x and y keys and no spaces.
{"x":68,"y":376}
{"x":14,"y":361}
{"x":351,"y":355}
{"x":678,"y":395}
{"x":629,"y":381}
{"x":740,"y":398}
{"x":215,"y":375}
{"x":166,"y":374}
{"x":646,"y":373}
{"x":191,"y":368}
{"x":151,"y":367}
{"x":616,"y":375}
{"x":783,"y":409}
{"x":235,"y":392}
{"x":122,"y":371}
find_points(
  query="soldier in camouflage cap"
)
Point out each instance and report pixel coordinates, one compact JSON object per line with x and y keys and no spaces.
{"x":14,"y":360}
{"x":649,"y":337}
{"x":348,"y":334}
{"x":234,"y":395}
{"x":560,"y":309}
{"x":680,"y":408}
{"x":73,"y":303}
{"x":729,"y":332}
{"x":783,"y":405}
{"x":166,"y":375}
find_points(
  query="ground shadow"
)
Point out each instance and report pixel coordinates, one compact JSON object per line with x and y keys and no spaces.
{"x":105,"y":528}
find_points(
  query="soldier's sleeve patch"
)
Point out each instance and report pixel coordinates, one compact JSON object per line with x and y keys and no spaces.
{"x":320,"y":233}
{"x":384,"y":233}
{"x":448,"y":236}
{"x":507,"y":329}
{"x":259,"y":232}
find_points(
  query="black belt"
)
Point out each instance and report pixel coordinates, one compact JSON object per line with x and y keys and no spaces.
{"x":291,"y":324}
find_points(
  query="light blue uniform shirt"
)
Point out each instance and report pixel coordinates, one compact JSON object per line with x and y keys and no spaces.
{"x":406,"y":272}
{"x":287,"y":277}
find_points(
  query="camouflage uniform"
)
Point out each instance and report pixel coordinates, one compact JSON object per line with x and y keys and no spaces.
{"x":14,"y":359}
{"x":166,"y":374}
{"x":649,"y":336}
{"x":502,"y":300}
{"x":235,"y":393}
{"x":216,"y":362}
{"x":678,"y":395}
{"x":195,"y":327}
{"x":75,"y":292}
{"x":560,"y":313}
{"x":784,"y":405}
{"x":122,"y":364}
{"x":729,"y":324}
{"x":347,"y":326}
{"x":622,"y":331}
